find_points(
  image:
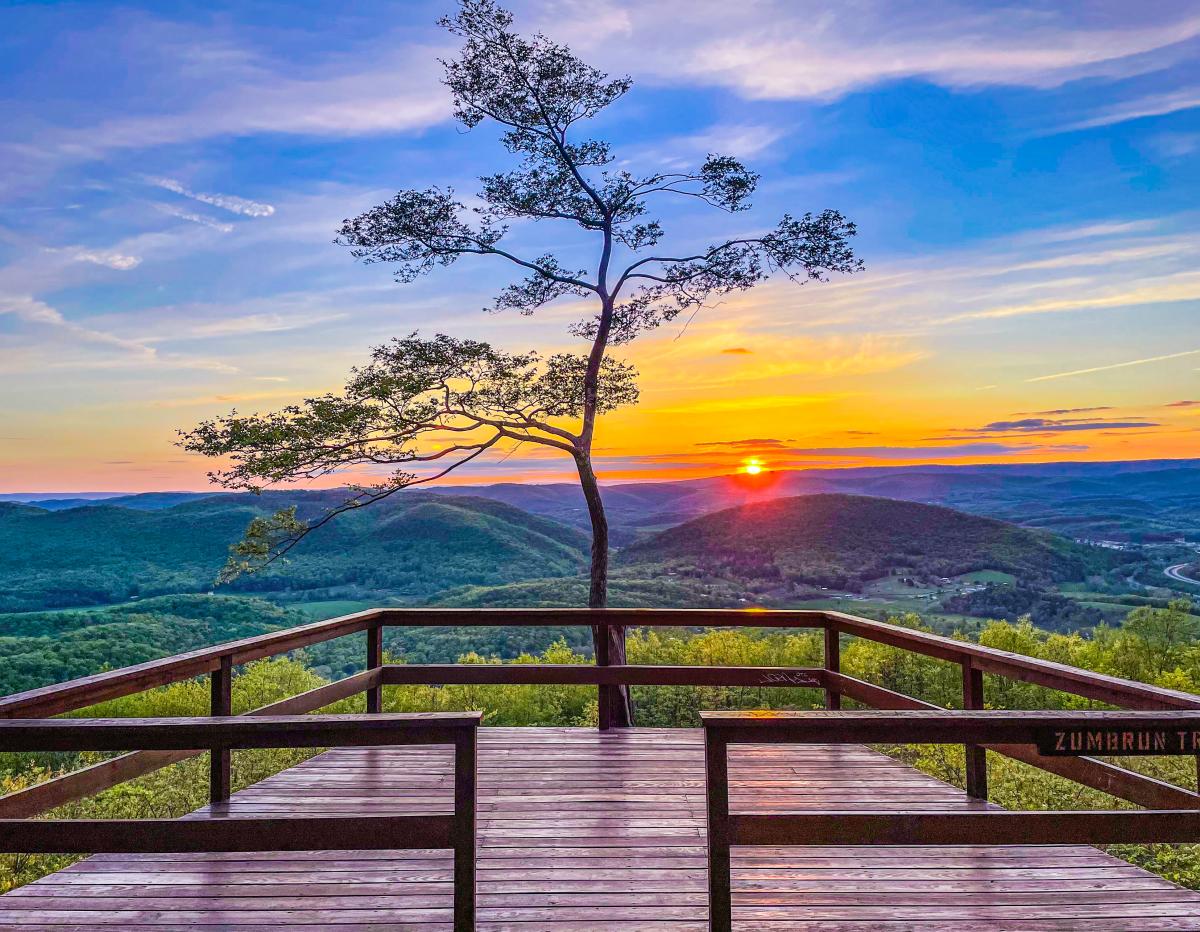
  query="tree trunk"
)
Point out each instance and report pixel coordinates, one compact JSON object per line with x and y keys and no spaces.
{"x":608,"y":640}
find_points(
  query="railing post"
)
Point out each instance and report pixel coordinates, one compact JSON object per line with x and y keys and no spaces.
{"x":374,"y":662}
{"x":464,"y":829}
{"x":833,"y":663}
{"x":221,"y":759}
{"x":716,"y":775}
{"x":976,"y":757}
{"x":604,"y":693}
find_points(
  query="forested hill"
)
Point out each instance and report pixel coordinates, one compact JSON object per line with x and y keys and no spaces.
{"x":845,"y":540}
{"x":410,"y":547}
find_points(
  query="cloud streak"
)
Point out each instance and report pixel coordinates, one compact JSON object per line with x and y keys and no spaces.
{"x":780,"y":50}
{"x":227,"y":202}
{"x":110,"y":260}
{"x":1043,"y":425}
{"x":1187,"y":98}
{"x":193,"y":217}
{"x":1116,"y":365}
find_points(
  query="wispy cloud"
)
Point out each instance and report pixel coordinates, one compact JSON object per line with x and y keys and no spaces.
{"x":32,"y":311}
{"x":1186,"y":98}
{"x":758,"y":402}
{"x":193,"y":217}
{"x":780,"y":50}
{"x":132,"y":353}
{"x":219,"y":84}
{"x":111,"y":260}
{"x":1056,"y":411}
{"x":1115,"y":365}
{"x":1093,"y":267}
{"x":260,"y":323}
{"x":209,"y":401}
{"x":931,"y":453}
{"x":754,"y":443}
{"x":1179,"y":286}
{"x":1044,"y":425}
{"x":229,"y":202}
{"x":799,"y":457}
{"x":743,"y":140}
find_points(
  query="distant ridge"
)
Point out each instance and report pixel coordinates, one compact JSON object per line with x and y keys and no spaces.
{"x":1124,"y":500}
{"x":846,"y":540}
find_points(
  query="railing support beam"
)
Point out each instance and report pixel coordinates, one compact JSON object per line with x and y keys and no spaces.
{"x":716,"y":774}
{"x":220,"y":770}
{"x":976,"y":756}
{"x":833,"y":663}
{"x":465,"y":782}
{"x":374,"y":662}
{"x":604,"y":694}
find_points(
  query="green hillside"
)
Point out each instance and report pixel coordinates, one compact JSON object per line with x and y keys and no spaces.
{"x":625,"y":590}
{"x":102,"y":569}
{"x":39,"y":648}
{"x":844,"y":541}
{"x":410,"y":547}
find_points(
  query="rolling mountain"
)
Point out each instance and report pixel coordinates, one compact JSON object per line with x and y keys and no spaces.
{"x":151,"y":568}
{"x":1148,"y":500}
{"x":1139,"y":500}
{"x":411,"y":546}
{"x":846,"y":540}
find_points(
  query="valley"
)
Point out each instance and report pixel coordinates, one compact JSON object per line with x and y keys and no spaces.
{"x":89,"y":583}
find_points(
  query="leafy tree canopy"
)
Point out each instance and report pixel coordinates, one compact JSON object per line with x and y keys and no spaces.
{"x":443,"y":401}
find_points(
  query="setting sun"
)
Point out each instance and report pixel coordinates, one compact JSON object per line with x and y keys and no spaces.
{"x":752,"y":467}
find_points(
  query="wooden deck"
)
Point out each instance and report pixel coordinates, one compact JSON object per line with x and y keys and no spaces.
{"x":580,"y":830}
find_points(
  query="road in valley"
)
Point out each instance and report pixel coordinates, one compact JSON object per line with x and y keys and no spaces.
{"x":1176,"y":573}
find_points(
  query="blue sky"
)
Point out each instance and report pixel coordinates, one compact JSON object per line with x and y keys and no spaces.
{"x":1024,"y":177}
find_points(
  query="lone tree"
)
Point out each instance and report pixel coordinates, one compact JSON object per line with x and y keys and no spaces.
{"x":446,"y":401}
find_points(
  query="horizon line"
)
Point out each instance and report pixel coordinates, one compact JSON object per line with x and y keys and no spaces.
{"x":98,"y":495}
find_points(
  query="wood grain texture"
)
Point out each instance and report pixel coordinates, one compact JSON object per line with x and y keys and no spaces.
{"x":1098,"y":774}
{"x":579,"y":830}
{"x":80,"y":783}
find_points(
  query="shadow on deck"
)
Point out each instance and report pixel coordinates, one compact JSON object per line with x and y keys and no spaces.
{"x":587,"y":830}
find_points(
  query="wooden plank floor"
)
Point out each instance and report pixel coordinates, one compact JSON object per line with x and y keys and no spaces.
{"x":584,"y":831}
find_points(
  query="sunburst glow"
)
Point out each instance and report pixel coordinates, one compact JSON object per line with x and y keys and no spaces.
{"x":753,"y":467}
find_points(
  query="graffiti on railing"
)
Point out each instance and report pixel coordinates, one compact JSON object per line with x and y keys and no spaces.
{"x":790,"y":678}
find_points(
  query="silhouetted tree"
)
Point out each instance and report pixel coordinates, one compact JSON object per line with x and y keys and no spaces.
{"x":425,"y":390}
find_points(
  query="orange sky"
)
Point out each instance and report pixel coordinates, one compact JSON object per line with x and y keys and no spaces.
{"x":742,"y":381}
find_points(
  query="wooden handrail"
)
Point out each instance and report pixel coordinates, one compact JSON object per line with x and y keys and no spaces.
{"x":1047,"y":729}
{"x":284,"y":833}
{"x":455,"y":831}
{"x":585,"y":674}
{"x":68,"y":787}
{"x":1060,"y":676}
{"x":941,"y":726}
{"x":219,"y":660}
{"x":89,"y":690}
{"x":234,"y":732}
{"x":998,"y":827}
{"x":1100,"y":775}
{"x":111,"y":684}
{"x":175,"y":739}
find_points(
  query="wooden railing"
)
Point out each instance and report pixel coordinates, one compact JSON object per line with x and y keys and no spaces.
{"x":1048,"y":732}
{"x":223,"y":734}
{"x":218,"y":663}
